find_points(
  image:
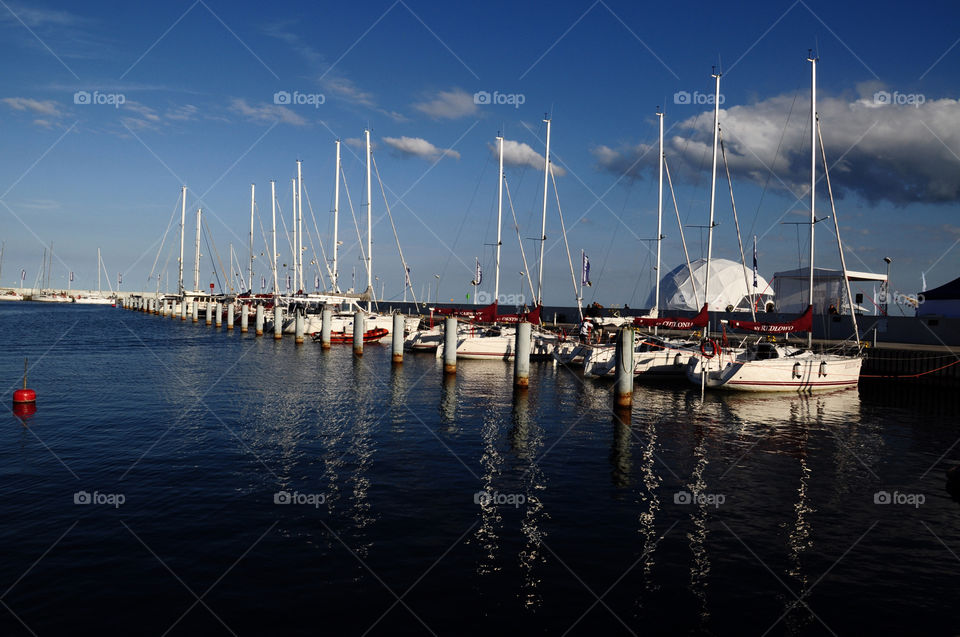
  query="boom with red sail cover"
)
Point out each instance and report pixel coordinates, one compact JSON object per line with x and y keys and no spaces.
{"x":675,"y":323}
{"x":802,"y":324}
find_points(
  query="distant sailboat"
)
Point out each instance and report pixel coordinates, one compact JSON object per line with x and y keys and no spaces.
{"x":98,"y":298}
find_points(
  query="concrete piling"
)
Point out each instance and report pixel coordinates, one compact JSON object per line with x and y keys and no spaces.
{"x":450,"y":345}
{"x":397,"y":334}
{"x":230,"y":308}
{"x":358,"y":324}
{"x":277,"y":322}
{"x":325,"y":327}
{"x":623,"y":356}
{"x":521,"y":356}
{"x":299,"y":327}
{"x":183,"y":309}
{"x":194,"y":311}
{"x":258,"y":325}
{"x":218,"y":313}
{"x":244,"y":318}
{"x":208,"y":317}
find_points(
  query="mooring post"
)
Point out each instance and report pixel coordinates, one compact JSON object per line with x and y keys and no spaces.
{"x":183,"y":309}
{"x":397,"y":338}
{"x":623,"y":356}
{"x":277,"y":322}
{"x":218,"y":313}
{"x":229,"y":316}
{"x":244,"y":318}
{"x":298,"y":327}
{"x":326,"y":319}
{"x":194,"y":311}
{"x":358,"y":320}
{"x":258,"y":325}
{"x":521,"y":356}
{"x":450,"y":345}
{"x":208,"y":317}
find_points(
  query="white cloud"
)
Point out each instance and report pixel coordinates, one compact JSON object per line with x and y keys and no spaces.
{"x":267,"y":113}
{"x":418,"y":147}
{"x":45,"y":107}
{"x":896,"y":153}
{"x":450,"y":104}
{"x":520,"y":154}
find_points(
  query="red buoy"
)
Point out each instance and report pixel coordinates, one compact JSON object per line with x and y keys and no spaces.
{"x":24,"y":396}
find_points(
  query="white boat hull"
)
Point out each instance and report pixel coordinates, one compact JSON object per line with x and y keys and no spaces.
{"x":804,"y":373}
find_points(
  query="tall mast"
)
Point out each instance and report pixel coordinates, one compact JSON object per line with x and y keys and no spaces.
{"x":496,"y":277}
{"x":656,"y":297}
{"x":299,"y":260}
{"x":813,"y":170}
{"x":336,"y":220}
{"x":196,"y":257}
{"x":183,"y":221}
{"x":543,"y":220}
{"x":252,"y":206}
{"x":369,"y":290}
{"x":293,"y":188}
{"x":273,"y":208}
{"x":713,"y":184}
{"x":98,"y":269}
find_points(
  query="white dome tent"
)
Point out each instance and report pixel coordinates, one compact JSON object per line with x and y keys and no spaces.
{"x":727,"y":287}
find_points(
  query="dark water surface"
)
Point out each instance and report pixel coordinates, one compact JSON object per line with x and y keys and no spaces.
{"x":593,"y":529}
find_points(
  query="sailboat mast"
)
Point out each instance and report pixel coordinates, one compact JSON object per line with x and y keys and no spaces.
{"x":813,"y":171}
{"x":496,"y":276}
{"x":336,"y":220}
{"x":196,"y":257}
{"x":299,"y":260}
{"x":252,"y":206}
{"x":713,"y":185}
{"x":273,"y":208}
{"x":543,"y":220}
{"x":293,"y":188}
{"x":183,"y":221}
{"x":98,"y":271}
{"x":656,"y":297}
{"x":369,"y":290}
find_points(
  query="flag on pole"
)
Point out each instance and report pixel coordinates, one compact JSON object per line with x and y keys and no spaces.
{"x":23,"y":275}
{"x":288,"y":283}
{"x":754,"y":261}
{"x":585,"y":270}
{"x":316,"y":281}
{"x":923,"y":279}
{"x":407,"y":276}
{"x":119,"y":278}
{"x":478,"y":279}
{"x":263,"y":283}
{"x":71,"y":277}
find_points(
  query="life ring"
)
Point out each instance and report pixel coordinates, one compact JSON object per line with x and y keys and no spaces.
{"x":714,"y":348}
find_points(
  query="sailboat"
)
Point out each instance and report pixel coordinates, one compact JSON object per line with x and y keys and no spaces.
{"x":99,"y":298}
{"x":497,"y":341}
{"x":46,"y":295}
{"x":766,"y":366}
{"x":654,"y":357}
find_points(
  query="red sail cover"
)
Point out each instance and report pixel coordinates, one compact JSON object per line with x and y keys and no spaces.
{"x":485,"y":314}
{"x":530,"y":317}
{"x":489,"y":314}
{"x":802,"y":324}
{"x":675,"y":323}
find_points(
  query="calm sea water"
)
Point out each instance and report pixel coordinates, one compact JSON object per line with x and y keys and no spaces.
{"x":735,"y":515}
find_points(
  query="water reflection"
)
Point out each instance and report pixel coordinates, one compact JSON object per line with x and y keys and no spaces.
{"x":621,"y":465}
{"x":448,"y":403}
{"x":526,"y":442}
{"x":648,"y":496}
{"x":700,"y":567}
{"x":487,"y":534}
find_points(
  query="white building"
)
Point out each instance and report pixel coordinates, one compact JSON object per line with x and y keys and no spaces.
{"x":792,"y":290}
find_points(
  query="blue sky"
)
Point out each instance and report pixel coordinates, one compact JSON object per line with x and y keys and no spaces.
{"x":197,"y":81}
